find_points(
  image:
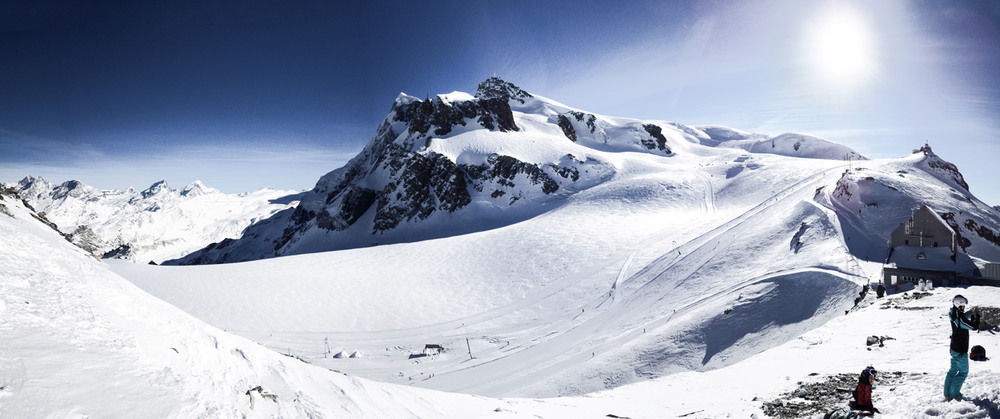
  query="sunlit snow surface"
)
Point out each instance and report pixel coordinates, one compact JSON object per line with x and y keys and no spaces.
{"x":679,"y":298}
{"x":701,"y":283}
{"x":79,"y":341}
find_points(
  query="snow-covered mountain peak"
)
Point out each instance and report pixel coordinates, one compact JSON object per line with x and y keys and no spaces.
{"x":197,"y":188}
{"x":720,"y":134}
{"x":456,"y":96}
{"x":496,"y":88}
{"x":944,"y":170}
{"x":32,"y":186}
{"x":456,"y":163}
{"x":156,"y":188}
{"x":404,"y":99}
{"x":72,"y":188}
{"x":153,"y":225}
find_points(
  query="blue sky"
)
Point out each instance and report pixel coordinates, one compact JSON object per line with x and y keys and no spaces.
{"x":248,"y":94}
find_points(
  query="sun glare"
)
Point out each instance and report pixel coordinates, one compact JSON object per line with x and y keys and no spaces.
{"x":839,"y":47}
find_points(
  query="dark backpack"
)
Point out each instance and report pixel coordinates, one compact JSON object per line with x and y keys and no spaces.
{"x":978,"y":353}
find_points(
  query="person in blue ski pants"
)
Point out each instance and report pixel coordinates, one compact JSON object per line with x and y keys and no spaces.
{"x":961,"y":323}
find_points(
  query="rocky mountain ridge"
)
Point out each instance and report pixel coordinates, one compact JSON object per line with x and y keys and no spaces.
{"x":458,"y":163}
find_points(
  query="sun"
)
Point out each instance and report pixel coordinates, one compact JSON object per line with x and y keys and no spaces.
{"x":839,"y":47}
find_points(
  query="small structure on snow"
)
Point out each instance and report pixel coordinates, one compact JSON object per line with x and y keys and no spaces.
{"x":924,"y":249}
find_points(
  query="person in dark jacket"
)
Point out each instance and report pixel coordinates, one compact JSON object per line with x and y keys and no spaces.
{"x":961,"y":323}
{"x":863,"y":392}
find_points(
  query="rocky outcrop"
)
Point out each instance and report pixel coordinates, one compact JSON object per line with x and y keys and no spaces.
{"x":658,"y":142}
{"x":983,"y":231}
{"x":498,"y":176}
{"x":591,"y":119}
{"x":69,"y":189}
{"x":490,"y":109}
{"x":121,"y":252}
{"x":156,"y":188}
{"x":496,"y":88}
{"x":960,"y":240}
{"x":567,"y":128}
{"x":948,"y":170}
{"x":400,"y":179}
{"x":421,"y":185}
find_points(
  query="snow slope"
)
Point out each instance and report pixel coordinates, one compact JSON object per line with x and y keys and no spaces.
{"x":638,"y":278}
{"x":653,"y":285}
{"x":78,"y":341}
{"x":155,"y":224}
{"x":643,"y":259}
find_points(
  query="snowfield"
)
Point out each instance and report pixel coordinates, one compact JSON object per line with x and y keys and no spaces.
{"x":696,"y":272}
{"x":80,"y":341}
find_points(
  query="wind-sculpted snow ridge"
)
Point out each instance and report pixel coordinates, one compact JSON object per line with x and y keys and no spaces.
{"x":458,"y":163}
{"x":155,"y":224}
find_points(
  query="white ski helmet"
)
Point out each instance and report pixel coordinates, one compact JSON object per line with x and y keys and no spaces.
{"x":960,"y":302}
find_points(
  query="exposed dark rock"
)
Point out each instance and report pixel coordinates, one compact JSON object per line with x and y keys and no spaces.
{"x":935,"y":162}
{"x":327,"y":222}
{"x":660,"y":141}
{"x":960,"y":240}
{"x":423,"y":185}
{"x":498,"y":111}
{"x":569,"y":172}
{"x":492,"y":113}
{"x":503,"y":170}
{"x":797,"y":243}
{"x":818,"y":398}
{"x":982,"y":231}
{"x":121,"y":252}
{"x":155,"y":189}
{"x":356,"y":202}
{"x":989,"y":318}
{"x":843,"y":187}
{"x":567,"y":128}
{"x":496,"y":88}
{"x":591,"y":119}
{"x":446,"y":116}
{"x":69,"y":188}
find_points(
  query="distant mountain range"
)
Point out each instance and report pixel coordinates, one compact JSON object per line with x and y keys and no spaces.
{"x":155,"y":224}
{"x":458,"y":163}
